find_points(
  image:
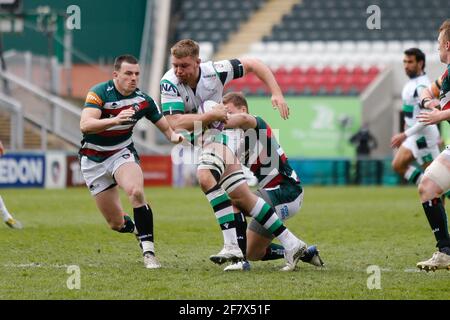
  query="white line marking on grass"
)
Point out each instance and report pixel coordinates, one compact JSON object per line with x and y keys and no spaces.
{"x":412,"y":270}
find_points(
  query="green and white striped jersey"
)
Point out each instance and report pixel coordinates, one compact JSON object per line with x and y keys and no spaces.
{"x":411,"y":98}
{"x":179,"y":98}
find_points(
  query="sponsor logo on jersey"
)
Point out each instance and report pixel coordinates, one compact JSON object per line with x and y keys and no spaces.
{"x":93,"y":98}
{"x":284,"y":212}
{"x":212,"y":75}
{"x":109,"y":88}
{"x":169,"y":89}
{"x":136,"y":107}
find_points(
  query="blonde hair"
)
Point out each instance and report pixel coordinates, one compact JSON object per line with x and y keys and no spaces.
{"x":446,"y":28}
{"x":185,"y":48}
{"x":236,"y":98}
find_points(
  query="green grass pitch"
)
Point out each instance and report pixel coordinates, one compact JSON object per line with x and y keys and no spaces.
{"x":353,"y":227}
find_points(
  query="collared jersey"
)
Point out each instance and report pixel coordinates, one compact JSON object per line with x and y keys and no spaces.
{"x":264,"y":156}
{"x":105,"y":97}
{"x":411,"y":98}
{"x":179,"y":98}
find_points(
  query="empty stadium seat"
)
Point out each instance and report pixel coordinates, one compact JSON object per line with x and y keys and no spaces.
{"x":213,"y":21}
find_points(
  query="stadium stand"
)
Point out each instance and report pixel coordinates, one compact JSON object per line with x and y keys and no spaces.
{"x":324,"y":47}
{"x":213,"y":21}
{"x":344,"y":20}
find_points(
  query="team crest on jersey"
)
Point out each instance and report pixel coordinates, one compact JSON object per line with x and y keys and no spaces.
{"x":284,"y":212}
{"x":136,"y":107}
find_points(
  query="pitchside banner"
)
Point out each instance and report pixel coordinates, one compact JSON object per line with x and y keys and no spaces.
{"x":74,"y":176}
{"x":55,"y":169}
{"x":157,"y":170}
{"x":22,"y":170}
{"x":318,"y":127}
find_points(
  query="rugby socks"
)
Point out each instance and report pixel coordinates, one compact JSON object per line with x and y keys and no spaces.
{"x":413,"y":175}
{"x":273,"y":252}
{"x":128,"y":225}
{"x":437,"y":218}
{"x":223,"y":210}
{"x":241,"y":232}
{"x":5,"y":213}
{"x":143,"y":217}
{"x":266,"y":216}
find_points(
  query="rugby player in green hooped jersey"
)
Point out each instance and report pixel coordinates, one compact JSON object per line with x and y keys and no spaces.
{"x":278,"y":183}
{"x":436,"y":179}
{"x":107,"y":154}
{"x":184,"y":88}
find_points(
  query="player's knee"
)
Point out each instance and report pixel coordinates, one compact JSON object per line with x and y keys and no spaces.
{"x":205,"y":180}
{"x":136,"y":194}
{"x":398,"y":167}
{"x":239,"y":199}
{"x":426,"y":189}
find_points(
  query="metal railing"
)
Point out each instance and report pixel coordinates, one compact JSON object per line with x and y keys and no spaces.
{"x":53,"y":114}
{"x":15,"y":109}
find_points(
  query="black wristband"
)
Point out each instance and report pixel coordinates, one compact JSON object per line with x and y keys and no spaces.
{"x":422,"y":103}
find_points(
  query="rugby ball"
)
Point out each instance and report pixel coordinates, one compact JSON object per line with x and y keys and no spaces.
{"x":207,"y":106}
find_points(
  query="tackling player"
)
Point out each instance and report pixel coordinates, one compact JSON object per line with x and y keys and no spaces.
{"x":278,"y":183}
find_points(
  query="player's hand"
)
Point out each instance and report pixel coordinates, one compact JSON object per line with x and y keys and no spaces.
{"x":124,"y":116}
{"x":430,"y":117}
{"x":397,"y":140}
{"x":279,"y":103}
{"x":176,"y":138}
{"x":219,"y":113}
{"x":2,"y":149}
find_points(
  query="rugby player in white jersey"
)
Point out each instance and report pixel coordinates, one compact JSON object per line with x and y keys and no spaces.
{"x":107,"y":154}
{"x":436,"y":179}
{"x":417,"y":142}
{"x":183,"y":89}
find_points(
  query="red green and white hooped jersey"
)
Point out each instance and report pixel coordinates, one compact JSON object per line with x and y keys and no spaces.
{"x":179,"y":98}
{"x":265,"y":157}
{"x":105,"y":97}
{"x":444,"y":94}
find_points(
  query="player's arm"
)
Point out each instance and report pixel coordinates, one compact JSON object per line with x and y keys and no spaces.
{"x":186,"y":121}
{"x":427,"y":102}
{"x":173,"y":109}
{"x":163,"y":125}
{"x":241,"y":120}
{"x":2,"y":149}
{"x":428,"y":96}
{"x":265,"y":75}
{"x":434,"y":116}
{"x":91,"y":123}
